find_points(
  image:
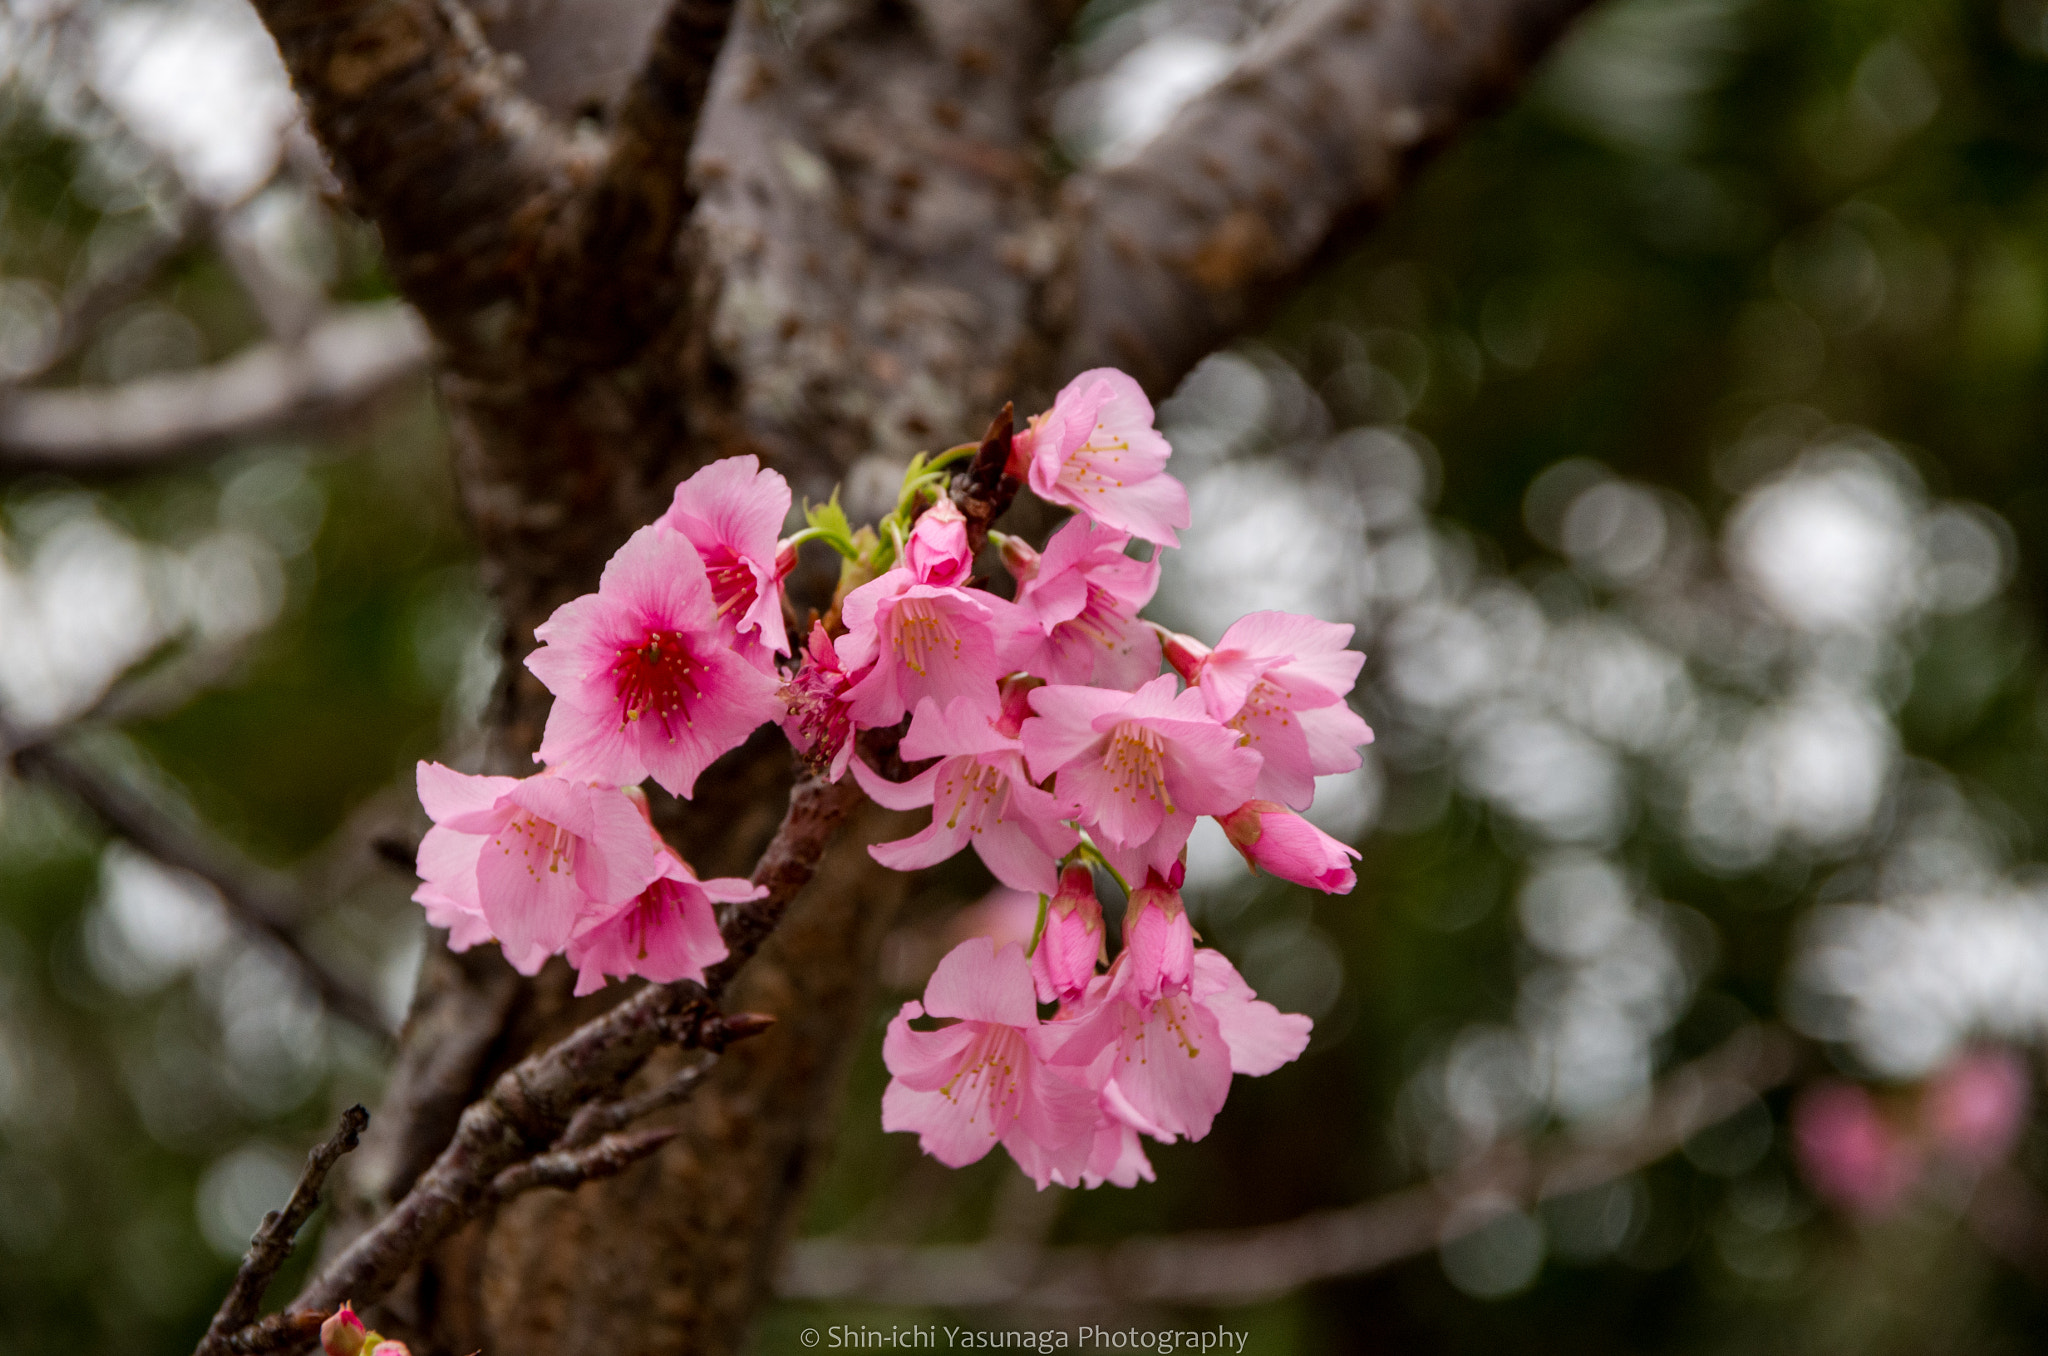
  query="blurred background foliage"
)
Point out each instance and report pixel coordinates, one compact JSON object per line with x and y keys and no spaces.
{"x":1674,"y":446}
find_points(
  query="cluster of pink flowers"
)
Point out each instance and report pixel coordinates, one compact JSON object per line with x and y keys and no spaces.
{"x":1056,"y":743}
{"x":1867,"y":1157}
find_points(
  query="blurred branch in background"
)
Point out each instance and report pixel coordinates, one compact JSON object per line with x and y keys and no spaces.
{"x":343,"y":363}
{"x":1240,"y":1266}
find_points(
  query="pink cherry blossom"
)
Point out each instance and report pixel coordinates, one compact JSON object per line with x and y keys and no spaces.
{"x":669,"y":932}
{"x":731,"y":511}
{"x":1071,"y":943}
{"x":819,"y":724}
{"x":343,"y":1333}
{"x":1849,"y":1152}
{"x":530,"y":858}
{"x":937,"y":550}
{"x":1140,"y":767}
{"x":1975,"y":1109}
{"x":979,"y":793}
{"x":1096,"y":451}
{"x":909,"y":641}
{"x":1281,"y":681}
{"x":1170,"y":1059}
{"x":1084,"y":594}
{"x":1288,"y":846}
{"x":644,"y":681}
{"x":985,"y":1078}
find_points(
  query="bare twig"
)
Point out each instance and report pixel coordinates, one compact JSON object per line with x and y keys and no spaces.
{"x":349,"y":359}
{"x":1238,"y":1266}
{"x":1321,"y":123}
{"x":273,"y":1242}
{"x":603,"y":1118}
{"x":260,"y":899}
{"x":567,"y":1169}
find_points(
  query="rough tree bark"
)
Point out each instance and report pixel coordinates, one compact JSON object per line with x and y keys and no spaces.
{"x":828,"y":235}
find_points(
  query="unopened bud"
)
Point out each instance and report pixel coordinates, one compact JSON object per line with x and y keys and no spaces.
{"x":1018,"y":557}
{"x":785,"y":558}
{"x":388,"y":1347}
{"x":343,"y":1334}
{"x":1274,"y":838}
{"x":1159,"y":941}
{"x":937,"y":550}
{"x":1073,"y":940}
{"x":1185,"y":653}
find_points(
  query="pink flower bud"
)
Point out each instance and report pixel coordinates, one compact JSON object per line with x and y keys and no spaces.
{"x":1974,"y":1109}
{"x":937,"y":550}
{"x":1159,"y":942}
{"x":785,"y":559}
{"x":343,"y":1333}
{"x":1072,"y":942}
{"x":1185,"y":653}
{"x":390,"y":1348}
{"x":1018,"y":558}
{"x":1849,"y":1152}
{"x":1286,"y":845}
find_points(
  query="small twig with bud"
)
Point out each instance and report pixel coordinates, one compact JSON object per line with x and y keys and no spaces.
{"x":274,"y":1240}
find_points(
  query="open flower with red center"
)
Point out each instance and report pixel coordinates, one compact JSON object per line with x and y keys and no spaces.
{"x":1139,"y":767}
{"x":732,"y":512}
{"x":1281,"y":681}
{"x":669,"y":932}
{"x":1288,"y":846}
{"x":645,"y":681}
{"x":1096,"y":451}
{"x":984,"y":1079}
{"x":1084,"y":594}
{"x":979,"y":793}
{"x":531,"y":858}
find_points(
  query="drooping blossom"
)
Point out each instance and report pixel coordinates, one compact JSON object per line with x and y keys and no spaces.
{"x":1140,"y":767}
{"x":1096,"y":451}
{"x":1286,"y":845}
{"x":1084,"y":594}
{"x":1169,"y":1060}
{"x":985,"y":1079}
{"x":910,"y":641}
{"x":1071,"y":943}
{"x":669,"y":932}
{"x":1850,"y":1153}
{"x":731,"y":511}
{"x":530,"y":858}
{"x":645,"y":683}
{"x":819,"y":723}
{"x":1281,"y":681}
{"x":1974,"y":1110}
{"x":979,"y":793}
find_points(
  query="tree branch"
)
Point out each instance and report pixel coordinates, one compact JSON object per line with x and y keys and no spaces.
{"x":350,"y":358}
{"x":273,"y":1242}
{"x":1240,"y":1266}
{"x":261,"y":900}
{"x":457,"y":170}
{"x":1321,"y":123}
{"x":567,"y":1169}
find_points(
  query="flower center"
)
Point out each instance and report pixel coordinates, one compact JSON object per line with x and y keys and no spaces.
{"x":977,"y":794}
{"x":1095,"y":464}
{"x":1263,"y":702}
{"x":987,"y":1079}
{"x":544,"y":846}
{"x":657,"y":678}
{"x":922,"y":635}
{"x":733,"y":586}
{"x":1136,"y":758}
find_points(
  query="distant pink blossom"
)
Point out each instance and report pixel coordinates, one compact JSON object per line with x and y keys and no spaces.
{"x":1002,"y":915}
{"x":1281,"y":680}
{"x":1974,"y":1109}
{"x":1096,"y":451}
{"x":669,"y":932}
{"x":1141,"y":767}
{"x":819,"y":723}
{"x":979,"y":793}
{"x":1071,"y":943}
{"x":1850,"y":1153}
{"x":645,"y":684}
{"x":1084,"y":595}
{"x":985,"y":1078}
{"x":732,"y":511}
{"x":531,"y":858}
{"x":1274,"y":838}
